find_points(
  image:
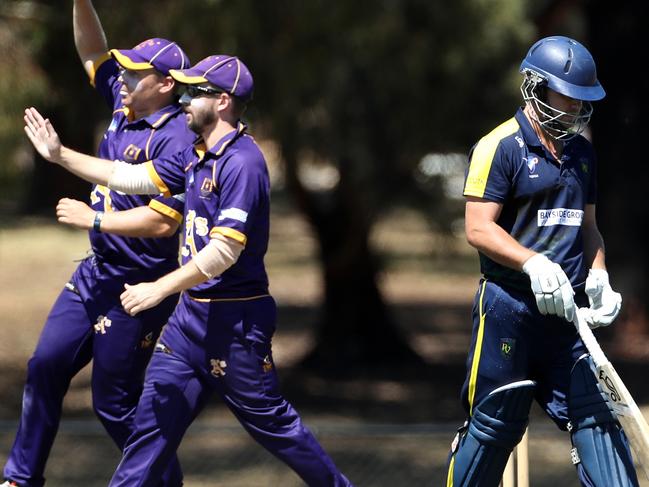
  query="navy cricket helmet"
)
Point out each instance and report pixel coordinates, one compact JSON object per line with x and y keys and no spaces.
{"x":566,"y":66}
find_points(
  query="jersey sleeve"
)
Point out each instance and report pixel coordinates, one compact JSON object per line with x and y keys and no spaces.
{"x":105,"y":79}
{"x":488,"y":174}
{"x":242,"y":187}
{"x":168,"y":173}
{"x":172,"y":207}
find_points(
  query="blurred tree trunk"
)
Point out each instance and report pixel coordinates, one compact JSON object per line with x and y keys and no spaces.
{"x":356,"y":330}
{"x":617,"y":38}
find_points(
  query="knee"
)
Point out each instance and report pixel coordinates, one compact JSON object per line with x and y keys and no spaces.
{"x":44,"y":364}
{"x":497,"y":424}
{"x":587,"y":403}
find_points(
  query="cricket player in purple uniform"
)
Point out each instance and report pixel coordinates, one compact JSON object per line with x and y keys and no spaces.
{"x":219,"y":337}
{"x":530,"y":213}
{"x":87,"y":322}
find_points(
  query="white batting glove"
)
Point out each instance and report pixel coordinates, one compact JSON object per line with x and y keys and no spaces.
{"x":605,"y":304}
{"x":551,"y":287}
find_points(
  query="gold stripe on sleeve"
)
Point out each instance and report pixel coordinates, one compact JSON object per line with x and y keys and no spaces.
{"x":483,"y":156}
{"x":231,"y":233}
{"x":156,"y":179}
{"x":165,"y":210}
{"x":475,"y":362}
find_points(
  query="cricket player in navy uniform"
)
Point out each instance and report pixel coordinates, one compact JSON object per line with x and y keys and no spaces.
{"x":530,"y":212}
{"x":219,"y":337}
{"x":87,"y":321}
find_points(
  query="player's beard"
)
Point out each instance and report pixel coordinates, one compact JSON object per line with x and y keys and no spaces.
{"x":199,"y":120}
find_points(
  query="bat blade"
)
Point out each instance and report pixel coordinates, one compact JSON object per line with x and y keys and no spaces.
{"x":628,"y":413}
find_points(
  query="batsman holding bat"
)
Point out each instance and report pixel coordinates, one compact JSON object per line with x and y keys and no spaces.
{"x":530,"y":212}
{"x":218,"y":339}
{"x":87,"y":322}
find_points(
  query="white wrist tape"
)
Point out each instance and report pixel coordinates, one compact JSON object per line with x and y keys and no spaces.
{"x":218,"y":255}
{"x":131,"y":179}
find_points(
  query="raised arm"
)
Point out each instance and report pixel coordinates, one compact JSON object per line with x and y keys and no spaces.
{"x":89,"y":37}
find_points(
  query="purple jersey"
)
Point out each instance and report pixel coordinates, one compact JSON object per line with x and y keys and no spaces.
{"x":134,"y":141}
{"x":227,"y":191}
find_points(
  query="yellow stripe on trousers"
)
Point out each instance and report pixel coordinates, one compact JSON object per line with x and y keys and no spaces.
{"x":476,"y":353}
{"x":449,"y":478}
{"x":472,"y":379}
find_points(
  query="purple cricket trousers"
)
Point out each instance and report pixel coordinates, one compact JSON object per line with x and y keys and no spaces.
{"x":86,"y":322}
{"x":222,"y":347}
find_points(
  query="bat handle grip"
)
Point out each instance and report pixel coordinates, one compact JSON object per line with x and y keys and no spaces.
{"x":589,"y":340}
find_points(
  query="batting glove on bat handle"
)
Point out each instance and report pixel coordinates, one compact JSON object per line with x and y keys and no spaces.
{"x":551,"y":287}
{"x":605,"y":304}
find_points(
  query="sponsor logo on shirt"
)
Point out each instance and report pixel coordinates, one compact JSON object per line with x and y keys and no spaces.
{"x":560,"y":216}
{"x":235,"y":214}
{"x":531,"y":166}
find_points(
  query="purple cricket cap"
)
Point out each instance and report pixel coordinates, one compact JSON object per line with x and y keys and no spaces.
{"x":159,"y":54}
{"x":223,"y":71}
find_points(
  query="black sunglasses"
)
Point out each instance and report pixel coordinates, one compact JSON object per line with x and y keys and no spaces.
{"x":194,"y":91}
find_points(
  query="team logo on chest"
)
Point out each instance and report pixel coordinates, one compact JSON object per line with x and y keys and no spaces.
{"x":206,"y":188}
{"x":132,"y":152}
{"x":218,"y":367}
{"x":102,"y":324}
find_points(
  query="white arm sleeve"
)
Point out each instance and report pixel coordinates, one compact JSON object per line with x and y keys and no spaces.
{"x":218,"y":255}
{"x":131,"y":179}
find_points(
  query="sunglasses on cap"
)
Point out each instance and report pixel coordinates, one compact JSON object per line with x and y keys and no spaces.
{"x":194,"y":91}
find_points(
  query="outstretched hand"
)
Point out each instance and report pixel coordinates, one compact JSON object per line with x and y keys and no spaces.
{"x":42,"y":135}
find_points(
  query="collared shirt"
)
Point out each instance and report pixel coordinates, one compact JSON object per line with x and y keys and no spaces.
{"x":543,"y":201}
{"x":135,"y":141}
{"x":227,"y":191}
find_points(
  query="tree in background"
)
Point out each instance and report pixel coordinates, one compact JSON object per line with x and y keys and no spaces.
{"x":370,"y":88}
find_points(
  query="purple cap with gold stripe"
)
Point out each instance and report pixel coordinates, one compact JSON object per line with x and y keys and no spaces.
{"x":225,"y":72}
{"x":159,"y":54}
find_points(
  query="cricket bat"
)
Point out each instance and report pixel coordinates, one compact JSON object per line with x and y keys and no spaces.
{"x":625,"y":408}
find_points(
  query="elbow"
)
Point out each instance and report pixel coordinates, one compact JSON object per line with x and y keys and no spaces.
{"x":473,"y":237}
{"x":164,"y":228}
